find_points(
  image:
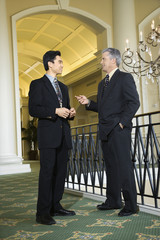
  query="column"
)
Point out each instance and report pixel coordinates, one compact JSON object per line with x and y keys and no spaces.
{"x":125,"y":28}
{"x":124,"y":24}
{"x":10,"y":159}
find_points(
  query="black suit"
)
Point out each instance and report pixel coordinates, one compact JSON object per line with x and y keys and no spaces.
{"x":117,"y":104}
{"x":54,"y":140}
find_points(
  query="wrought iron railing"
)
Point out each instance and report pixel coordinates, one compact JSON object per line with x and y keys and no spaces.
{"x":86,"y":168}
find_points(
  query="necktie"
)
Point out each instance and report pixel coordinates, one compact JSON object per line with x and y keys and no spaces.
{"x":58,"y":91}
{"x":106,"y":82}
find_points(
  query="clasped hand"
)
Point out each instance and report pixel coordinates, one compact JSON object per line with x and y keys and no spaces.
{"x":65,"y":112}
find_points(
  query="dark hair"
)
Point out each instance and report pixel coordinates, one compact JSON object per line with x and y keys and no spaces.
{"x":114,"y":53}
{"x":49,"y":57}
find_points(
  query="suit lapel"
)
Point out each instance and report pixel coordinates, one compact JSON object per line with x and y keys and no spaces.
{"x":112,"y":83}
{"x":100,"y":90}
{"x":108,"y":90}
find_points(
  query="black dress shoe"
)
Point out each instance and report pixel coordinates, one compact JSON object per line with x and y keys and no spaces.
{"x":124,"y":212}
{"x":106,"y":206}
{"x":63,"y":212}
{"x":46,"y":219}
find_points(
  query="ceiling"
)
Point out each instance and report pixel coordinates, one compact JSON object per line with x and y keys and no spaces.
{"x":37,"y":34}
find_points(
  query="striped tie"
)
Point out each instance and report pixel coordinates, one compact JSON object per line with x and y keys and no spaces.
{"x":58,"y":91}
{"x":106,"y":82}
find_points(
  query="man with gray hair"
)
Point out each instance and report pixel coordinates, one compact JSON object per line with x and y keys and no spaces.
{"x":117,"y":103}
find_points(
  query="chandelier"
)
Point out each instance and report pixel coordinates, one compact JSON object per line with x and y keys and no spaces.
{"x":141,"y":63}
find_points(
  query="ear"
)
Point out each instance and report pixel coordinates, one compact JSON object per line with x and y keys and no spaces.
{"x":114,"y":61}
{"x":50,"y":64}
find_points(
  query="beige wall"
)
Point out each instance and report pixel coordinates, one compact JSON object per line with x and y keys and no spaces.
{"x":145,"y":7}
{"x":24,"y":88}
{"x":16,"y":6}
{"x":88,"y":87}
{"x":99,"y":8}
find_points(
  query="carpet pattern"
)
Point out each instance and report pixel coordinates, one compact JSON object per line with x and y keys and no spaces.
{"x":18,"y":196}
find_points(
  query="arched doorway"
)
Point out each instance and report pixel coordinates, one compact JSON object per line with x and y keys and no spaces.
{"x":90,"y":22}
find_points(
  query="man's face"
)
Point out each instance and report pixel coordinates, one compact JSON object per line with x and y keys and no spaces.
{"x":107,"y":63}
{"x":57,"y":66}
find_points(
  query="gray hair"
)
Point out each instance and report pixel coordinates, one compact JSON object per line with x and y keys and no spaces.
{"x":113,"y":53}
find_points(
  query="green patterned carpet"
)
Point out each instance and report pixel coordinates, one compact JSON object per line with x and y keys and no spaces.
{"x":18,"y":196}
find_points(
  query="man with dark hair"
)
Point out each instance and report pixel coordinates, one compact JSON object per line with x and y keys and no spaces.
{"x":49,"y":102}
{"x":117,"y":103}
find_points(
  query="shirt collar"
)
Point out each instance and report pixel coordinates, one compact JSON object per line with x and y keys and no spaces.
{"x":51,"y":79}
{"x":112,"y":72}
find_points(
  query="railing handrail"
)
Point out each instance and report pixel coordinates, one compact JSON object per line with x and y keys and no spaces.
{"x":146,"y":114}
{"x":86,"y":168}
{"x":95,"y":123}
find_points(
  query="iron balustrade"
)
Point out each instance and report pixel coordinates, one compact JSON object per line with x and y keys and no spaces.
{"x":86,"y":168}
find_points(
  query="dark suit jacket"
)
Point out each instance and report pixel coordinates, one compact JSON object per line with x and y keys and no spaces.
{"x":119,"y":104}
{"x":42,"y":104}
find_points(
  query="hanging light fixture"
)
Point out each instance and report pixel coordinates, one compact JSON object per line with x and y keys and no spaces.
{"x":141,"y":63}
{"x":153,"y":37}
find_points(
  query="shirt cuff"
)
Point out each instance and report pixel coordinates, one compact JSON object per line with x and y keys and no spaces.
{"x":89,"y":101}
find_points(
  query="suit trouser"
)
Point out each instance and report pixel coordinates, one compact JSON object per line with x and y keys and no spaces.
{"x":53,"y":168}
{"x":119,"y":168}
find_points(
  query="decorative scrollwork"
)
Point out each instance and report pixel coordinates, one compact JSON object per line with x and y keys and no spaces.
{"x":153,"y":37}
{"x":139,"y":66}
{"x":141,"y":63}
